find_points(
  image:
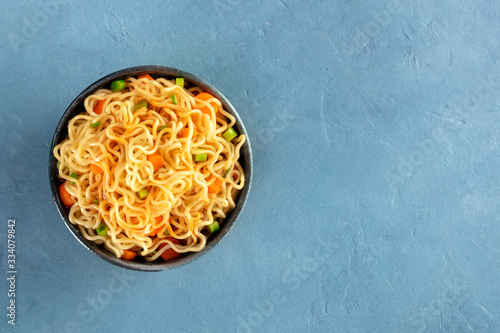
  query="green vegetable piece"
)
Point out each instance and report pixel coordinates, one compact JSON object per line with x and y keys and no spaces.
{"x":164,"y":126}
{"x":141,"y":104}
{"x":230,"y":134}
{"x":117,"y":85}
{"x":96,"y":124}
{"x":64,"y":168}
{"x":200,"y":157}
{"x":154,"y":252}
{"x":102,"y":229}
{"x":142,"y":194}
{"x":174,"y":99}
{"x":96,"y":201}
{"x":74,"y":175}
{"x":179,"y":81}
{"x":167,"y":233}
{"x":225,"y":173}
{"x":213,"y":227}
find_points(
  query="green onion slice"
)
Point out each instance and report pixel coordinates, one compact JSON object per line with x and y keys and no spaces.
{"x":230,"y":134}
{"x":141,"y":104}
{"x":213,"y":227}
{"x":225,"y":173}
{"x":179,"y":81}
{"x":94,"y":125}
{"x":174,"y":99}
{"x":167,"y":233}
{"x":164,"y":126}
{"x":74,"y":175}
{"x":200,"y":157}
{"x":96,"y":201}
{"x":117,"y":85}
{"x":142,"y":194}
{"x":59,"y":166}
{"x":101,"y":229}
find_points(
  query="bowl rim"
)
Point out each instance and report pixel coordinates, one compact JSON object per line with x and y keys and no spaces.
{"x":75,"y":107}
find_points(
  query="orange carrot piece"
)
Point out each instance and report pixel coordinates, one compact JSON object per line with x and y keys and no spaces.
{"x":234,"y":175}
{"x":95,"y":168}
{"x":157,"y":161}
{"x":215,"y":186}
{"x":153,"y":232}
{"x":65,"y":196}
{"x":99,"y":107}
{"x":128,"y":255}
{"x":203,"y":108}
{"x":185,"y":132}
{"x":170,"y":253}
{"x":146,"y":76}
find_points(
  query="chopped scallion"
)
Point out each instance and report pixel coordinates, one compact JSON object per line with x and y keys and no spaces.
{"x":96,"y":201}
{"x":64,"y":168}
{"x":213,"y":227}
{"x":117,"y":85}
{"x":154,"y":252}
{"x":164,"y":126}
{"x":179,"y":81}
{"x":225,"y":173}
{"x":102,"y":229}
{"x":230,"y":134}
{"x":74,"y":175}
{"x":167,"y":233}
{"x":141,"y":104}
{"x":94,"y":125}
{"x":174,"y":99}
{"x":142,"y":194}
{"x":200,"y":157}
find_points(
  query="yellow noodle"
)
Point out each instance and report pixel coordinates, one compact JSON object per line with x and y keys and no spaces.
{"x":178,"y":192}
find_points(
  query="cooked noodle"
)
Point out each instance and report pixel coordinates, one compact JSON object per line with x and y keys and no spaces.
{"x":119,"y":141}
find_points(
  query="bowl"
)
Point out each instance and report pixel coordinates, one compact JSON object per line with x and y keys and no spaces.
{"x":61,"y":133}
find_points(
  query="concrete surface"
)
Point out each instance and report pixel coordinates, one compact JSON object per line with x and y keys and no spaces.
{"x":375,"y":127}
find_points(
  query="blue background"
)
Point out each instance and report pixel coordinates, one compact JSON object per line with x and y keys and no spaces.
{"x":375,"y":132}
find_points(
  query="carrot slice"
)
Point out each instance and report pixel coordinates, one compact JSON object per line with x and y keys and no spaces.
{"x":185,"y":132}
{"x":153,"y":232}
{"x":128,"y":255}
{"x":170,"y":253}
{"x":234,"y":175}
{"x":99,"y":107}
{"x":95,"y":168}
{"x":146,"y":76}
{"x":65,"y":196}
{"x":203,"y":108}
{"x":215,"y":186}
{"x":157,"y":161}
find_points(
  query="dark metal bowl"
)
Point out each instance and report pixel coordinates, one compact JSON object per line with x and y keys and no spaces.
{"x":61,"y":133}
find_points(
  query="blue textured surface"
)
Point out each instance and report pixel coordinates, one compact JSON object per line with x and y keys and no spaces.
{"x":376,"y":140}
